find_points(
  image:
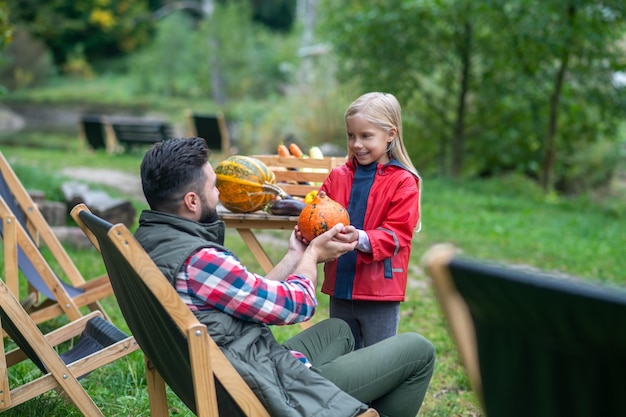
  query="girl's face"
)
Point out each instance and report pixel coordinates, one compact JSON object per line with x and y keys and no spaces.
{"x":368,"y":142}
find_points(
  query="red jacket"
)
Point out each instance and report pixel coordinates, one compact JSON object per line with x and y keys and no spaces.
{"x":391,"y":216}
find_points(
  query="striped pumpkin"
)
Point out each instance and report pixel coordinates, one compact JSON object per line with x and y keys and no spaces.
{"x":243,"y":183}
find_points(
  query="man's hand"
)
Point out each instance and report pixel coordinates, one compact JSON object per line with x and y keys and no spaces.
{"x":333,"y":243}
{"x":296,"y":245}
{"x":302,"y":259}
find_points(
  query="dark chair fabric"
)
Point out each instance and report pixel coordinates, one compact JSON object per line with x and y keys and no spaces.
{"x":93,"y":129}
{"x":24,"y":262}
{"x":207,"y":127}
{"x":98,"y":334}
{"x":156,"y":333}
{"x":548,"y":346}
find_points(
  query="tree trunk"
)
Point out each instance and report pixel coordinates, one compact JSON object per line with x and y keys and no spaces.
{"x":549,"y":143}
{"x":306,"y":14}
{"x":217,"y":77}
{"x":458,"y":141}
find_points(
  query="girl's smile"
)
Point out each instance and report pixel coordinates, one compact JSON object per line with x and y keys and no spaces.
{"x":368,"y":142}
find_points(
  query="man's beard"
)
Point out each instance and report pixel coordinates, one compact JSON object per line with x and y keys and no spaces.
{"x":209,"y":214}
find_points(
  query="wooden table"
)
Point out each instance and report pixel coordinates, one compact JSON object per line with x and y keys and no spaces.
{"x":246,"y":222}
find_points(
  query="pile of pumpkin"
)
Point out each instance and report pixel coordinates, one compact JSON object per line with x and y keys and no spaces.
{"x":247,"y":184}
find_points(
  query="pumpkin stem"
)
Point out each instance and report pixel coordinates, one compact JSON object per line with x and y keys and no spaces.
{"x":275,"y":189}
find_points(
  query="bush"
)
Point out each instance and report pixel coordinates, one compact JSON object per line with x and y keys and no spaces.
{"x":28,"y":62}
{"x":590,"y":168}
{"x":311,"y":111}
{"x":246,"y":58}
{"x":252,"y":59}
{"x":175,"y":64}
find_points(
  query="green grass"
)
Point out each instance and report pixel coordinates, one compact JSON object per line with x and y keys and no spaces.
{"x":113,"y":91}
{"x":506,"y":219}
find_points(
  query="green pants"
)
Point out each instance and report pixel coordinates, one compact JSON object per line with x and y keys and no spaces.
{"x":391,"y":375}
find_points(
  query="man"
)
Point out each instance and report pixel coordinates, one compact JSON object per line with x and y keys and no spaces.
{"x":315,"y":373}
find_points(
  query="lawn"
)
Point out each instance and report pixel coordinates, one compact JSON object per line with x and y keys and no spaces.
{"x":506,"y":219}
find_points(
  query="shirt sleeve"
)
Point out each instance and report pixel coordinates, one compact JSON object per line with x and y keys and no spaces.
{"x":364,"y":242}
{"x":215,"y":279}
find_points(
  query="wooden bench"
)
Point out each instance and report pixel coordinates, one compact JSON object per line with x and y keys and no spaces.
{"x":128,"y":132}
{"x":298,"y":176}
{"x":212,"y":128}
{"x":115,"y":133}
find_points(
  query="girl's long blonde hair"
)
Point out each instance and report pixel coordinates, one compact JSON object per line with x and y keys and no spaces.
{"x":384,"y":111}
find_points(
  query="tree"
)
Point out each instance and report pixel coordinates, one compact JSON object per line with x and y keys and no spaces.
{"x":97,"y":29}
{"x":567,"y":52}
{"x":428,"y":66}
{"x":5,"y":34}
{"x":498,"y":85}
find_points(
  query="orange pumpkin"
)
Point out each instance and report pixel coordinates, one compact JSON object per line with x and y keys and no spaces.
{"x":321,"y":215}
{"x":245,"y":184}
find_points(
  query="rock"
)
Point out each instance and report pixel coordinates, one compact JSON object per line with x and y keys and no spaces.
{"x":114,"y":210}
{"x":73,"y":236}
{"x":10,"y":121}
{"x":54,"y":212}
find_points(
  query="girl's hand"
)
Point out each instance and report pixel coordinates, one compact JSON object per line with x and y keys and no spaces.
{"x":348,"y":234}
{"x":328,"y":246}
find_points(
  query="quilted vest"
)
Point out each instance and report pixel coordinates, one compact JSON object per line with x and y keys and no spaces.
{"x":284,"y":385}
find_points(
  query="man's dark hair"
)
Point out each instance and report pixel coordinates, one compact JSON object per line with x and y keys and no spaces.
{"x":172,"y":168}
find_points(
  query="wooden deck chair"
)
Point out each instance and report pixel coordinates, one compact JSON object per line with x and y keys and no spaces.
{"x":212,"y":128}
{"x":21,"y":226}
{"x":99,"y":344}
{"x":177,"y":347}
{"x":92,"y":132}
{"x":533,"y":343}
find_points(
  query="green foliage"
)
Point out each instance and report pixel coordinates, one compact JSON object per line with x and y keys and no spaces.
{"x":27,"y":62}
{"x":481,"y":83}
{"x":100,"y":28}
{"x":251,"y":58}
{"x":5,"y":26}
{"x":6,"y":33}
{"x":175,"y":62}
{"x":40,"y":180}
{"x":310,"y":113}
{"x":591,"y":168}
{"x":279,"y":15}
{"x":76,"y":64}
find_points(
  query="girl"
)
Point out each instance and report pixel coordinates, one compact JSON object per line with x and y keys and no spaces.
{"x":380,"y":187}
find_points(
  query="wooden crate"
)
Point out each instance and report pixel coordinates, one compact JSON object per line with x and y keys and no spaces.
{"x":298,"y":176}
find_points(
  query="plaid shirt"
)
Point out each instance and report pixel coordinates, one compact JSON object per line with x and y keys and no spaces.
{"x":214,"y":279}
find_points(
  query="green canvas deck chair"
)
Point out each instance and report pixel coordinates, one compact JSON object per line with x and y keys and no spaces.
{"x":99,"y":343}
{"x":212,"y":128}
{"x":533,"y":343}
{"x":177,"y":347}
{"x":92,"y":131}
{"x":21,"y":226}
